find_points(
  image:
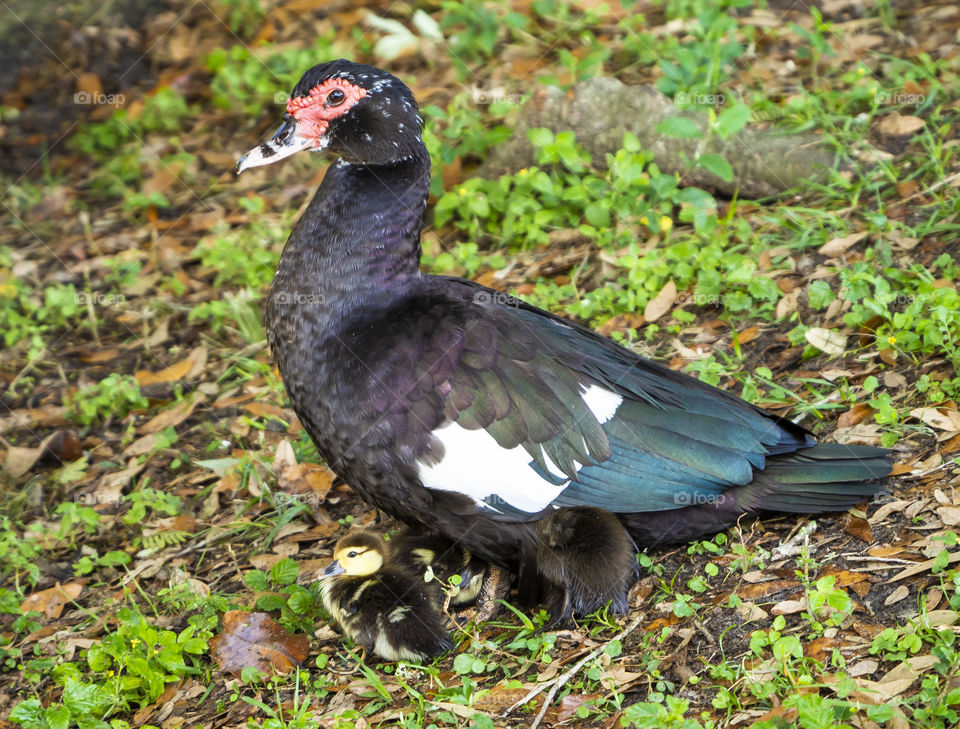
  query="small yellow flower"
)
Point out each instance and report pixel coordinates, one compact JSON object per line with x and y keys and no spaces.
{"x":861,"y":71}
{"x":892,"y":340}
{"x":523,"y":172}
{"x":666,"y":223}
{"x":643,"y":219}
{"x":462,"y":191}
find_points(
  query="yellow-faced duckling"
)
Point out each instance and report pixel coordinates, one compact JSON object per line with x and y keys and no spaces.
{"x":586,"y":559}
{"x":444,"y":558}
{"x":386,"y":610}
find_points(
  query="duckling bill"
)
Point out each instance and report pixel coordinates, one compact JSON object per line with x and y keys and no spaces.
{"x":386,"y":610}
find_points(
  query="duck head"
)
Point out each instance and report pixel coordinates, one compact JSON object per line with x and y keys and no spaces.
{"x":358,"y":554}
{"x":363,"y":114}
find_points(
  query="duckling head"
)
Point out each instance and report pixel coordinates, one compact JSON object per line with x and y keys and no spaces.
{"x":358,"y":554}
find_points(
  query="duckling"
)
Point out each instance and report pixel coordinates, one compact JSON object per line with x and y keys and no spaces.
{"x":586,"y":558}
{"x":420,"y":552}
{"x":386,"y":610}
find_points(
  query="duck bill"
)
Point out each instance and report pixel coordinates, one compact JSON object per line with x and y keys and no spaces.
{"x":332,"y":569}
{"x":286,"y":141}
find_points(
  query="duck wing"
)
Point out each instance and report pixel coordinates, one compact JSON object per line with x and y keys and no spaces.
{"x":520,"y":412}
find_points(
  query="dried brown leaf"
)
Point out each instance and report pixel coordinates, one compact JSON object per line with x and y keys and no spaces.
{"x":949,"y":515}
{"x":858,"y":527}
{"x":111,"y":484}
{"x":30,"y":418}
{"x":788,"y":304}
{"x":89,"y":84}
{"x":749,"y":611}
{"x":826,"y":341}
{"x":187,"y":368}
{"x":19,"y":460}
{"x":863,"y":434}
{"x":171,"y":417}
{"x":569,"y":704}
{"x":306,"y":482}
{"x":888,"y":355}
{"x":910,"y":668}
{"x":765,"y":589}
{"x":52,"y":600}
{"x":894,"y":379}
{"x":254,"y":639}
{"x":61,"y":447}
{"x":662,"y":302}
{"x":621,"y":322}
{"x":142,"y":446}
{"x":936,"y":618}
{"x":854,"y":415}
{"x":941,"y":419}
{"x":901,"y":593}
{"x":896,"y":125}
{"x":838,"y":246}
{"x":863,"y":668}
{"x":907,"y":188}
{"x":498,"y":699}
{"x":876,"y":693}
{"x":269,"y":410}
{"x":920,"y":567}
{"x":789,"y":607}
{"x":97,"y":356}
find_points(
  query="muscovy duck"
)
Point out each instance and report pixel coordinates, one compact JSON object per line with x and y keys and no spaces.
{"x":475,"y":415}
{"x":387,"y":610}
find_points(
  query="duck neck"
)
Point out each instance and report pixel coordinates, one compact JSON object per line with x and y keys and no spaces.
{"x":357,"y":247}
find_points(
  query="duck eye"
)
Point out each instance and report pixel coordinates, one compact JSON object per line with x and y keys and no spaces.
{"x":351,"y":554}
{"x":336,"y":97}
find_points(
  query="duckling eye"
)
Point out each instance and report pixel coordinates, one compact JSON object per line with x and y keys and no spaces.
{"x":336,"y":97}
{"x":351,"y":554}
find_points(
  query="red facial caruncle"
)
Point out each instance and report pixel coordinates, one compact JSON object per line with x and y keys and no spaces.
{"x":325,"y":102}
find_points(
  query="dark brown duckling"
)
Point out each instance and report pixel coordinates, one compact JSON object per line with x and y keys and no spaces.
{"x":420,"y":552}
{"x":386,"y":610}
{"x":587,"y":558}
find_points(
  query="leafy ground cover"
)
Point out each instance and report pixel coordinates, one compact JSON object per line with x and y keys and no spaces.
{"x":156,"y":481}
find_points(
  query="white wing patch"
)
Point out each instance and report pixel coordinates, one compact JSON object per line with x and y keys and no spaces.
{"x":475,"y":465}
{"x":602,"y":403}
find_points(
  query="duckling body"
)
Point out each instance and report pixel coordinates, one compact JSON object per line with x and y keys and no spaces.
{"x":418,"y":552}
{"x":386,"y":610}
{"x":586,"y":559}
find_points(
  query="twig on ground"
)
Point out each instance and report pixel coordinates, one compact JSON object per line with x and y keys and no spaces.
{"x":885,"y":560}
{"x":936,"y":186}
{"x":706,"y":633}
{"x":560,"y":681}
